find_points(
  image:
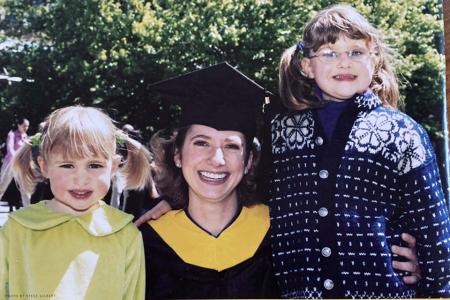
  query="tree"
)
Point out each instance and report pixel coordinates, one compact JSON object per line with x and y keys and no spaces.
{"x":108,"y":52}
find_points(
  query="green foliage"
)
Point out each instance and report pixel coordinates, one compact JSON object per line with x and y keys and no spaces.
{"x":107,"y":52}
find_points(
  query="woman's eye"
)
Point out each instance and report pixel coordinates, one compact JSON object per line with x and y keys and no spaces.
{"x":233,"y":146}
{"x":200,"y":143}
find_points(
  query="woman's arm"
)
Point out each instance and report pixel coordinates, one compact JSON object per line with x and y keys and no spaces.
{"x":160,"y":209}
{"x":10,"y":143}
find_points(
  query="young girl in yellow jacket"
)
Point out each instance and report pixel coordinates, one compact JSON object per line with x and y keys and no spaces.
{"x":74,"y":246}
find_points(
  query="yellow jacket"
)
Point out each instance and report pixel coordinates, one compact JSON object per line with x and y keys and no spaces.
{"x":48,"y":255}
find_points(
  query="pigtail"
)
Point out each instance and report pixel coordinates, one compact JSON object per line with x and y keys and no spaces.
{"x":296,"y":89}
{"x":25,"y":168}
{"x":136,"y":168}
{"x":385,"y":81}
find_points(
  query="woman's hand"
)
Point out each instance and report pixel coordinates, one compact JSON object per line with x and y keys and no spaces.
{"x":157,"y":211}
{"x":412,"y":265}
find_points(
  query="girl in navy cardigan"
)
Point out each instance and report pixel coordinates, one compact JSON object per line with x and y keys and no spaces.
{"x":349,"y":172}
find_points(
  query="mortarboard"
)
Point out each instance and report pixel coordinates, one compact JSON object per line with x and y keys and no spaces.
{"x":218,"y":96}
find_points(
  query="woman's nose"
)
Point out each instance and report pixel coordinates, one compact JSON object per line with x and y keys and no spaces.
{"x":218,"y":157}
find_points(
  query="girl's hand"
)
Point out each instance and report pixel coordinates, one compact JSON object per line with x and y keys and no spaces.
{"x":157,"y":211}
{"x":409,"y":253}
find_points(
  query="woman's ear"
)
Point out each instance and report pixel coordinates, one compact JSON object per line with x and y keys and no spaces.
{"x":249,"y":163}
{"x":177,"y":158}
{"x":305,"y":67}
{"x":42,"y":165}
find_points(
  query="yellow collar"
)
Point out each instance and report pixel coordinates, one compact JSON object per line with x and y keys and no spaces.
{"x":234,"y":245}
{"x":102,"y":221}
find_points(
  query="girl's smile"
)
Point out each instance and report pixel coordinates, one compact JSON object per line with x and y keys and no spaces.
{"x":80,"y":194}
{"x":345,"y":77}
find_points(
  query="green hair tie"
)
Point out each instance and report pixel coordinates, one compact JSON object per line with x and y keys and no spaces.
{"x":36,"y":140}
{"x":121,"y":140}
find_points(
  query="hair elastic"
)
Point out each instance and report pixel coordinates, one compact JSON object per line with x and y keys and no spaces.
{"x":120,"y":139}
{"x":36,"y":140}
{"x":300,"y":47}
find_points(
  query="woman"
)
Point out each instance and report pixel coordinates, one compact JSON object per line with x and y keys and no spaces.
{"x":16,"y":138}
{"x":203,"y":170}
{"x":215,"y":245}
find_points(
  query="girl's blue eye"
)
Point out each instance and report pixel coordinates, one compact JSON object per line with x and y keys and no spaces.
{"x":329,"y":54}
{"x":355,"y":53}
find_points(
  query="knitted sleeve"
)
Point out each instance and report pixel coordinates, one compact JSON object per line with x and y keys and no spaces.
{"x":426,"y":216}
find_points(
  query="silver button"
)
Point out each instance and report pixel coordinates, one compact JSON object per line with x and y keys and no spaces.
{"x":326,"y":251}
{"x":323,"y":174}
{"x":323,"y":212}
{"x":319,"y":141}
{"x":328,"y":284}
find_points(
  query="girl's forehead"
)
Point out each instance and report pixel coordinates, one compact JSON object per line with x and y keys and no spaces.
{"x":344,"y":41}
{"x":68,"y":157}
{"x":81,"y":153}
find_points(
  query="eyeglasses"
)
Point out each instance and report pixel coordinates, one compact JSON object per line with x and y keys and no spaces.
{"x":330,"y":56}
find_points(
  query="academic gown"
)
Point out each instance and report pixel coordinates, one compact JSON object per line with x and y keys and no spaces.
{"x":185,"y":261}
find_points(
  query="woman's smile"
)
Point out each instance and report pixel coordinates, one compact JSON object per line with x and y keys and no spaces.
{"x":213,"y":177}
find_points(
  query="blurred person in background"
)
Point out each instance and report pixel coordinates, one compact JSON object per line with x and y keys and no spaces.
{"x":15,"y":139}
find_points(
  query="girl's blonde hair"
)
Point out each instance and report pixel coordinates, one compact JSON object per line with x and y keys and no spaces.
{"x":77,"y":132}
{"x":298,"y":91}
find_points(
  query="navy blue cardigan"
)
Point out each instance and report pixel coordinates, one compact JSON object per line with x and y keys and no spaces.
{"x":338,"y":205}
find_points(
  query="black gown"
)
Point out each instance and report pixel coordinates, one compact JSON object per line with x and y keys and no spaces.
{"x":184,"y":261}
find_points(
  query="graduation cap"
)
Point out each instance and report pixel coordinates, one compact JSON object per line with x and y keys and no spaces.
{"x":218,"y":96}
